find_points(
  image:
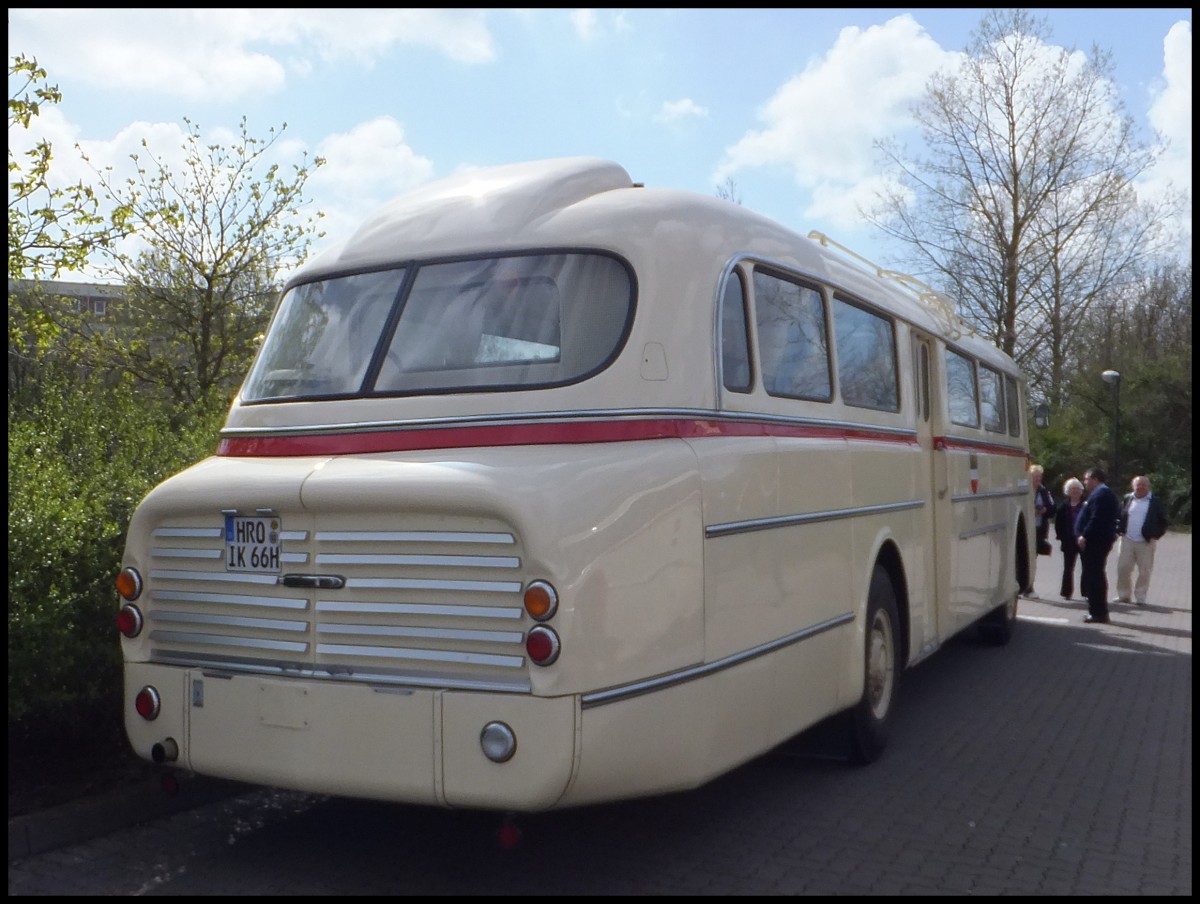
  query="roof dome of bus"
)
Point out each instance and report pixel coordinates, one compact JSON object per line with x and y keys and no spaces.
{"x":485,"y":202}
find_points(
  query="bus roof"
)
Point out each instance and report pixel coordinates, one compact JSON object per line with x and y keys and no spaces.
{"x":572,"y":201}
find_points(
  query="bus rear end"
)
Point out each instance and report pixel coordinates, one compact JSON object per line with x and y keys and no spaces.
{"x":424,"y":541}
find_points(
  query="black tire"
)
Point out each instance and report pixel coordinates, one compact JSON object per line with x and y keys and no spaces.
{"x":996,"y":628}
{"x":870,"y":719}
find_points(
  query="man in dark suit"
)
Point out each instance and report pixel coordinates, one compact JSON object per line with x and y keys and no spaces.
{"x":1095,"y":533}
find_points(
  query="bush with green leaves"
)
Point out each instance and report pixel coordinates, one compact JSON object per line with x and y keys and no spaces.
{"x":80,"y":459}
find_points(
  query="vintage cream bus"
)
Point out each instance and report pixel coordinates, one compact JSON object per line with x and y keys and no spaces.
{"x":547,"y":488}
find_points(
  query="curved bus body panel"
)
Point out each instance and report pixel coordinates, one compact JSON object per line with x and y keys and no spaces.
{"x":549,"y":489}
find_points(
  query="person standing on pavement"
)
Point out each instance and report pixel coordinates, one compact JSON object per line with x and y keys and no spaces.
{"x":1142,"y":522}
{"x":1065,"y":517}
{"x":1095,"y":533}
{"x":1043,"y":508}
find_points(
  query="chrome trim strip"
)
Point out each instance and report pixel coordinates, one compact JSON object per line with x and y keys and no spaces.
{"x":508,"y":662}
{"x":430,"y":633}
{"x":233,"y":599}
{"x":419,"y":609}
{"x":165,"y":552}
{"x":991,"y":494}
{"x":220,"y":532}
{"x":413,"y":536}
{"x":637,"y":688}
{"x":216,"y":667}
{"x":223,"y":641}
{"x":160,"y":552}
{"x":389,"y":559}
{"x":403,"y":584}
{"x":234,"y":577}
{"x":741,"y":527}
{"x":979,"y":531}
{"x":976,"y":441}
{"x":239,"y":621}
{"x":606,"y":414}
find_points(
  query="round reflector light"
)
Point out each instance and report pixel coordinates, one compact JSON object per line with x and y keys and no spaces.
{"x":498,"y":742}
{"x":542,"y":645}
{"x":129,"y":621}
{"x":541,"y":600}
{"x":147,"y":703}
{"x":129,"y":583}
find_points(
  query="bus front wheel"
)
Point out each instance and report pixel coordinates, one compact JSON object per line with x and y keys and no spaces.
{"x":871,"y":717}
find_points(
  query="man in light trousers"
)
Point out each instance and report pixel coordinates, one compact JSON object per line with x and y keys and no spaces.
{"x":1143,"y":521}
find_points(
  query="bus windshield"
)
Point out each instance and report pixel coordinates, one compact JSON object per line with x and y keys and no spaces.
{"x":493,"y":323}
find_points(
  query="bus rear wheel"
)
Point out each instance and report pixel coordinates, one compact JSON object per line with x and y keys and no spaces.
{"x":871,"y":717}
{"x":996,"y":628}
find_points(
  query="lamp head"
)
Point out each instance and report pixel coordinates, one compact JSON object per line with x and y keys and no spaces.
{"x":1111,"y":376}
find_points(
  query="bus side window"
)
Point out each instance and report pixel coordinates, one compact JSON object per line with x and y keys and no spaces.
{"x":735,"y":343}
{"x":866,"y":351}
{"x":792,"y":338}
{"x":991,"y":397}
{"x":1013,"y":401}
{"x":961,"y":389}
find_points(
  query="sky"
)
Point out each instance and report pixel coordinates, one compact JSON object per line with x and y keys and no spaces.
{"x":782,"y":105}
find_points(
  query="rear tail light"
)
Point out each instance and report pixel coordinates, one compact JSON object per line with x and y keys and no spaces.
{"x":129,"y":584}
{"x":542,"y":645}
{"x":541,"y":600}
{"x":129,"y":621}
{"x":147,"y":703}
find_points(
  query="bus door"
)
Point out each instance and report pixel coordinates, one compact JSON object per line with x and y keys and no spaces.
{"x":933,"y":487}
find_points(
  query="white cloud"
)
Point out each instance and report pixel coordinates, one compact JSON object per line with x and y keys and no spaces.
{"x":365,"y":167}
{"x":586,"y":24}
{"x":227,"y":54}
{"x":679,"y":110}
{"x":1170,"y":114}
{"x":821,"y":124}
{"x":68,"y":167}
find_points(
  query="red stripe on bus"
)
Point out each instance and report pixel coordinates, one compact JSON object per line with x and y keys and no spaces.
{"x":604,"y":431}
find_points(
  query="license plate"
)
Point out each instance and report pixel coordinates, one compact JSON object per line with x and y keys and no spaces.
{"x":252,"y":544}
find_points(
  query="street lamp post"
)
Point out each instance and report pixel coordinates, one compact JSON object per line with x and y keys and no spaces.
{"x":1113,"y":377}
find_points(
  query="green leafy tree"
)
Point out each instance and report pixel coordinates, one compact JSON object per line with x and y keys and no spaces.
{"x":1147,"y":337}
{"x":49,"y":229}
{"x":86,"y":440}
{"x":78,"y":463}
{"x":214,"y":240}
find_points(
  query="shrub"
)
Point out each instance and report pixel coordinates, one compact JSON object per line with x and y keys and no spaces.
{"x":79,"y":461}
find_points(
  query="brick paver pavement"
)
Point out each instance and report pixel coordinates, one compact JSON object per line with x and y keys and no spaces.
{"x":1058,"y":765}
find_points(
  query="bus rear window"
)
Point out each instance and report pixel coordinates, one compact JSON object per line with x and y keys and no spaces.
{"x":511,"y":322}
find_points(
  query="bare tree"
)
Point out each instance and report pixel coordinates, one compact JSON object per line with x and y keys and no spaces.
{"x":1023,"y":208}
{"x":727,"y":191}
